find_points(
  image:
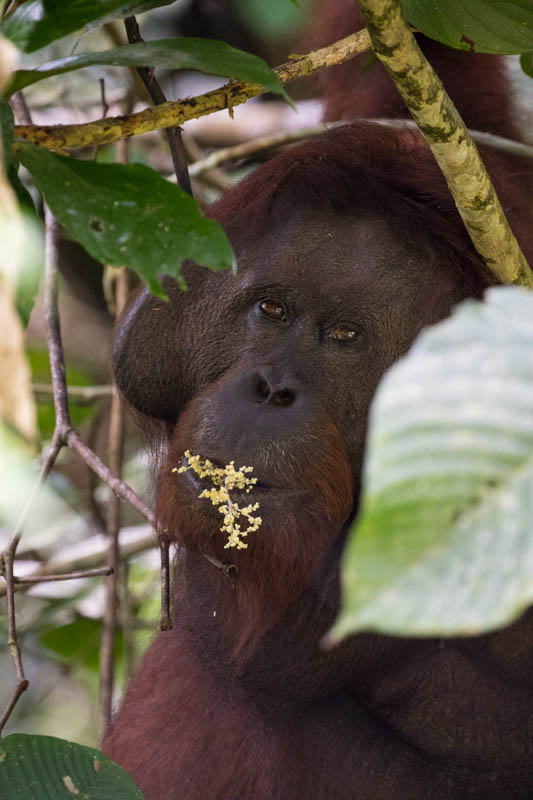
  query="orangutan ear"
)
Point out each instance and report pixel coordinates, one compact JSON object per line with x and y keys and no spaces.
{"x":145,"y":355}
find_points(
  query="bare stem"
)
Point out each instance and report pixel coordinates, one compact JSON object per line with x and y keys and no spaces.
{"x":67,"y":576}
{"x":85,"y":393}
{"x":165,"y":622}
{"x":115,"y":458}
{"x":78,"y":563}
{"x":21,"y":109}
{"x":254,"y":146}
{"x":120,"y":488}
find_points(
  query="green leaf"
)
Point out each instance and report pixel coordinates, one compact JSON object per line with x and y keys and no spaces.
{"x":482,"y":26}
{"x":36,"y":24}
{"x":277,"y":18}
{"x":23,"y":196}
{"x":526,"y":62}
{"x":21,"y":255}
{"x":79,"y":641}
{"x":7,"y":123}
{"x":31,"y":267}
{"x":443,"y":542}
{"x":40,"y":368}
{"x":46,"y":768}
{"x":28,"y":262}
{"x":127,"y":215}
{"x":204,"y":55}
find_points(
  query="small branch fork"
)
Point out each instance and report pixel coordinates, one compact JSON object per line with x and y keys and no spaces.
{"x":64,"y":436}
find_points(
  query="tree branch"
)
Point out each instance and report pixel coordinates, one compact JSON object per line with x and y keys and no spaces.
{"x":177,"y":150}
{"x":255,"y":146}
{"x":262,"y":143}
{"x":84,"y":393}
{"x":115,"y":456}
{"x":67,"y":576}
{"x":82,"y":558}
{"x":168,"y":115}
{"x":449,"y":140}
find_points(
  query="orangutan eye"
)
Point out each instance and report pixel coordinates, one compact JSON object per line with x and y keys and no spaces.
{"x":273,"y":310}
{"x":343,"y":333}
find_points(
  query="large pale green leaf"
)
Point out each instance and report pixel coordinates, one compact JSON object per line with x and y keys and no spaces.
{"x":37,"y":23}
{"x":483,"y":26}
{"x":204,"y":55}
{"x":127,"y":215}
{"x":46,"y":768}
{"x":444,"y":539}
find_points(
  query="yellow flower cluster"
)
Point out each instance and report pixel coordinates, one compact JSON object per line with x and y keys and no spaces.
{"x":224,"y":480}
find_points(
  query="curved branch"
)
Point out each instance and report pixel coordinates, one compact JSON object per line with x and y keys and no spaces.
{"x":254,"y":146}
{"x":168,"y":115}
{"x":449,"y":140}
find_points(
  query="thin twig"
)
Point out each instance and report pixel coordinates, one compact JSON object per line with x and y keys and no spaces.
{"x":53,"y":328}
{"x":12,"y":639}
{"x":173,"y":134}
{"x":45,"y":470}
{"x":262,"y":143}
{"x":20,"y":108}
{"x":19,"y":689}
{"x":216,"y":178}
{"x":105,"y":109}
{"x":13,"y":7}
{"x":127,"y":619}
{"x":115,"y":458}
{"x":103,"y":100}
{"x":74,"y":441}
{"x":168,"y":115}
{"x":481,"y":137}
{"x":254,"y":146}
{"x":67,"y":576}
{"x":83,"y":392}
{"x":165,"y":622}
{"x":91,"y":554}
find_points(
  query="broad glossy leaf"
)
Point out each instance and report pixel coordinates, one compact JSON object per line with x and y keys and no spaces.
{"x":204,"y":55}
{"x":127,"y":215}
{"x":6,"y":131}
{"x":443,"y":544}
{"x":36,"y":24}
{"x":46,"y":768}
{"x":482,"y":26}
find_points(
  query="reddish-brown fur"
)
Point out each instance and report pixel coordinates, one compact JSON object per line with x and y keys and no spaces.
{"x":239,"y":700}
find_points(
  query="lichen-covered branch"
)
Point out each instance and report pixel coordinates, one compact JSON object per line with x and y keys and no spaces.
{"x":449,"y":140}
{"x":168,"y":115}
